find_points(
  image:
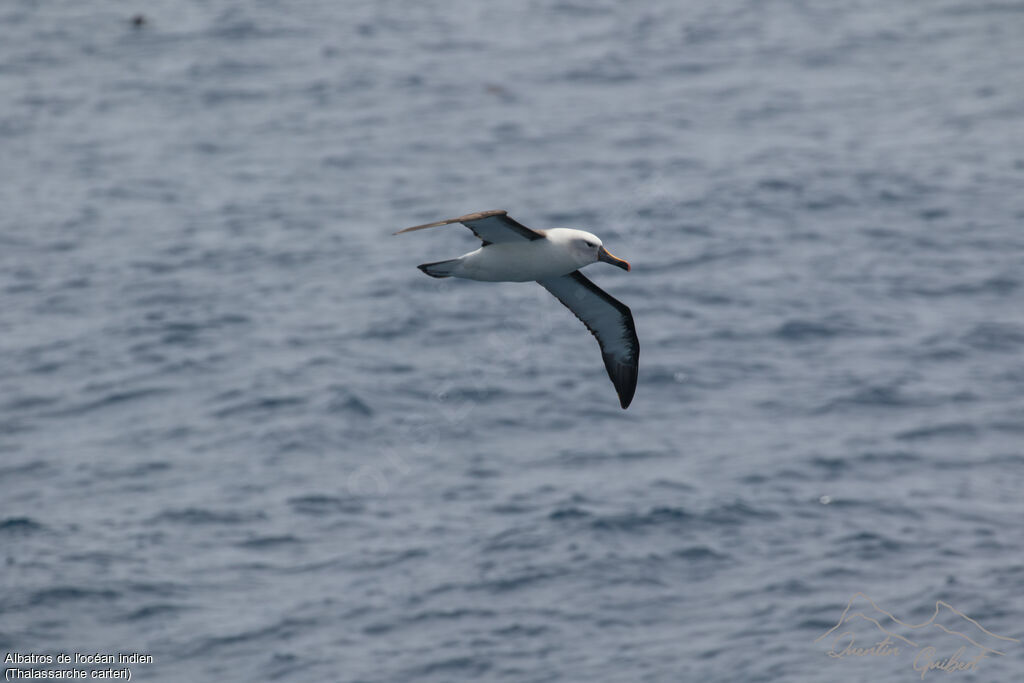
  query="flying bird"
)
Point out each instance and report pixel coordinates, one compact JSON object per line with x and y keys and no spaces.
{"x":512,"y":252}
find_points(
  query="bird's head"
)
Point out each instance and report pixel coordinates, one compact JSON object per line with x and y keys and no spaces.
{"x":587,"y":248}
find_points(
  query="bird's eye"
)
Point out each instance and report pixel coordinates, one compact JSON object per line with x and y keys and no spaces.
{"x":590,"y":244}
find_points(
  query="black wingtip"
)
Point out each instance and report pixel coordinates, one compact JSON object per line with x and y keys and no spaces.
{"x":437,"y":269}
{"x":626,"y":397}
{"x":623,"y":377}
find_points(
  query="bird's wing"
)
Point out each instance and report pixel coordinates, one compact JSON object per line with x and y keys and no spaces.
{"x":610,"y":321}
{"x":493,"y":227}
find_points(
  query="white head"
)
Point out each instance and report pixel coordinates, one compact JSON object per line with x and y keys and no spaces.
{"x":585,"y":247}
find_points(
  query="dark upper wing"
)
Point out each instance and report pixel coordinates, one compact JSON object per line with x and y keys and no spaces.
{"x":493,"y":227}
{"x":610,"y":321}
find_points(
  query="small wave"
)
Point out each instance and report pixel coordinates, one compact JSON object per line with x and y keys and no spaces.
{"x":689,"y":68}
{"x":32,"y":468}
{"x":469,"y":395}
{"x":510,"y":509}
{"x":780,"y":185}
{"x":235,"y":25}
{"x":581,"y":9}
{"x":803,"y":330}
{"x":155,"y":610}
{"x":832,"y":466}
{"x":933,"y":214}
{"x":815,"y":625}
{"x":1005,"y":461}
{"x":384,"y":559}
{"x":163,"y":589}
{"x":941,"y":431}
{"x":452,"y":614}
{"x":272,"y":634}
{"x":596,"y":457}
{"x":140,"y":470}
{"x":63,"y":594}
{"x":736,"y":512}
{"x":568,"y":513}
{"x":969,"y":8}
{"x":218,"y":96}
{"x":261,"y":405}
{"x":18,"y":526}
{"x":527,"y":577}
{"x":230,"y":68}
{"x":638,"y":520}
{"x":867,"y":545}
{"x":996,"y":337}
{"x":460,"y":666}
{"x":395,"y":327}
{"x":877,"y":396}
{"x":999,"y":286}
{"x":113,"y":399}
{"x":674,"y":485}
{"x":203,"y":516}
{"x":484,"y":473}
{"x":1011,"y":427}
{"x":29,"y":403}
{"x":581,"y":216}
{"x":609,"y":69}
{"x":838,"y":572}
{"x":345,"y":402}
{"x":826,"y":202}
{"x":265,"y":542}
{"x":889,"y":457}
{"x":729,"y":514}
{"x":379,"y":628}
{"x":516,"y":539}
{"x":99,"y":558}
{"x":319,"y":505}
{"x":523,"y":630}
{"x":700,"y":553}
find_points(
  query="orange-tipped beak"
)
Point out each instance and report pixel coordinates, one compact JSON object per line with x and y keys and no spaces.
{"x":606,"y":256}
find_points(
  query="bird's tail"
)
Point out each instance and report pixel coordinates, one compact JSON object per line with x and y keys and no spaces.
{"x":440,"y":268}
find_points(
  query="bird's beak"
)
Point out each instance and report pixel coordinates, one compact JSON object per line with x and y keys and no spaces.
{"x":606,"y":256}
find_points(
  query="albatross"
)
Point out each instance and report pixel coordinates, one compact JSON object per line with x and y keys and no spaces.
{"x":512,"y":252}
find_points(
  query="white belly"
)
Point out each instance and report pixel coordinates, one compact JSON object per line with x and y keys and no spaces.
{"x":516,"y":262}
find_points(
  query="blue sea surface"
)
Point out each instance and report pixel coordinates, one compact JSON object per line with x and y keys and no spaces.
{"x":241,"y":432}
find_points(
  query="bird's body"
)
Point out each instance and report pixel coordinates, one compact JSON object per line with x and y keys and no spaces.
{"x":511,"y":252}
{"x":523,"y":261}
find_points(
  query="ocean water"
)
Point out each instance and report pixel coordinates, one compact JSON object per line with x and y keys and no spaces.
{"x":242,"y":433}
